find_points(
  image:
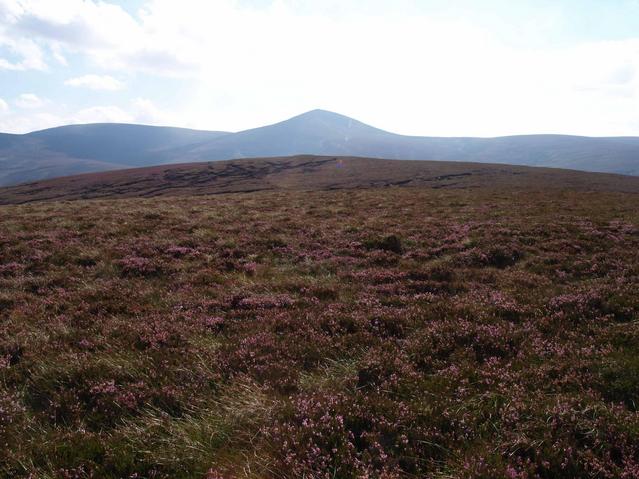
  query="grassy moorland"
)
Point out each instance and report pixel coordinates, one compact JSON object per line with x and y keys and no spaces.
{"x":382,"y":333}
{"x":306,"y":172}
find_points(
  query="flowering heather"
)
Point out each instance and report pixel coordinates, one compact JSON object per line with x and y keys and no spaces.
{"x":136,"y":266}
{"x":390,"y":333}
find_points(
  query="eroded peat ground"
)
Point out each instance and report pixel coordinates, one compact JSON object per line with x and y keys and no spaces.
{"x":376,"y":333}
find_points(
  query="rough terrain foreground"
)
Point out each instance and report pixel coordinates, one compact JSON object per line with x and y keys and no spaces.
{"x":382,"y":333}
{"x":307,"y":172}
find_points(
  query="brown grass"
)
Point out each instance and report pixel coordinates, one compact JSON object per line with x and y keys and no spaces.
{"x":307,"y":173}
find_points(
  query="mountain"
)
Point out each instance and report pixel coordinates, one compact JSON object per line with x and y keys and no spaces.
{"x":121,"y":144}
{"x":317,"y":132}
{"x":322,"y":132}
{"x":77,"y":149}
{"x":309,"y":173}
{"x":90,"y":148}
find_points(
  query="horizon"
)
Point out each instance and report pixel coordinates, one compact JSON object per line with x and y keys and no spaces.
{"x":433,"y":69}
{"x":168,"y":126}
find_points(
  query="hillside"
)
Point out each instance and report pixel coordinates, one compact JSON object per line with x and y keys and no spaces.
{"x":308,"y":173}
{"x":121,"y":144}
{"x":453,"y":332}
{"x":89,"y":148}
{"x":325,"y":133}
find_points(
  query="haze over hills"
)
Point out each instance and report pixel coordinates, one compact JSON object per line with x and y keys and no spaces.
{"x":100,"y":147}
{"x":77,"y":149}
{"x":130,"y":145}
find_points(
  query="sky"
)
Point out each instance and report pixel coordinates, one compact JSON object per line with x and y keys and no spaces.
{"x":417,"y":67}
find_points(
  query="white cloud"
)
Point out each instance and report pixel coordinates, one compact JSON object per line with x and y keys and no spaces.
{"x":145,"y":111}
{"x":96,"y":82}
{"x":56,"y":51}
{"x":29,"y":101}
{"x":84,"y":24}
{"x":20,"y":123}
{"x":101,"y":114}
{"x":139,"y":110}
{"x":29,"y":54}
{"x":17,"y":52}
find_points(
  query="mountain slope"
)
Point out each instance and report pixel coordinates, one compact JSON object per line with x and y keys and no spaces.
{"x":89,"y":148}
{"x":317,"y":132}
{"x":7,"y":139}
{"x":324,"y":133}
{"x":309,"y":173}
{"x":321,"y":132}
{"x":129,"y":145}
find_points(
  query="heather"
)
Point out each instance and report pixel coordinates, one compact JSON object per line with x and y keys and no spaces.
{"x":388,"y":333}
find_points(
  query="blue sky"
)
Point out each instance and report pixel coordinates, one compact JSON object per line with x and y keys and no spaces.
{"x":430,"y":67}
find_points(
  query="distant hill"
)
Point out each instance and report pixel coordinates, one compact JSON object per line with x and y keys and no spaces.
{"x":89,"y":148}
{"x":77,"y":149}
{"x":324,"y":133}
{"x":308,"y":173}
{"x":121,"y":144}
